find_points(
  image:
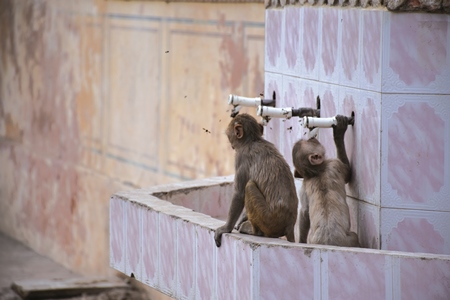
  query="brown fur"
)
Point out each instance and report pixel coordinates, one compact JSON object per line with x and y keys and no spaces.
{"x":263,"y":183}
{"x":324,"y":215}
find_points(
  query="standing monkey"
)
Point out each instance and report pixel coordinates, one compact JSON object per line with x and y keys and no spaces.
{"x":263,"y":184}
{"x":324,"y":213}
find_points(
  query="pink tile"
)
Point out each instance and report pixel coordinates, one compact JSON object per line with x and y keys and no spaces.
{"x":117,"y":234}
{"x":371,"y":50}
{"x":273,"y":83}
{"x":329,"y":55}
{"x":350,"y":20}
{"x":292,"y":34}
{"x":362,"y":141}
{"x":310,"y":42}
{"x":226,"y":194}
{"x":353,"y":275}
{"x":415,"y":231}
{"x":189,"y":199}
{"x":133,"y":240}
{"x":297,"y":93}
{"x":290,"y":270}
{"x":226,"y":281}
{"x":415,"y":168}
{"x":211,"y":200}
{"x":424,"y":278}
{"x":368,"y":168}
{"x":353,"y":207}
{"x":167,"y":252}
{"x":415,"y":128}
{"x":186,"y":259}
{"x":329,"y":95}
{"x":274,"y":23}
{"x":215,"y":201}
{"x":417,"y":53}
{"x":244,"y":265}
{"x":150,"y":246}
{"x":349,"y":99}
{"x":206,"y":264}
{"x":369,"y":225}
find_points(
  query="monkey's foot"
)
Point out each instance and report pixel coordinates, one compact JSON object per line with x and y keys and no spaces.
{"x":246,"y":227}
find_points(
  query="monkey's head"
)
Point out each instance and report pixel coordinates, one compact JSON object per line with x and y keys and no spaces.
{"x":308,"y":157}
{"x":243,"y":129}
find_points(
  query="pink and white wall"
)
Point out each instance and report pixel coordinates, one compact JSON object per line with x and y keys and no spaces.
{"x":393,"y":71}
{"x":164,"y":237}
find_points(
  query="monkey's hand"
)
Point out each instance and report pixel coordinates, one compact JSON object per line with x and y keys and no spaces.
{"x":218,"y":235}
{"x":340,"y":128}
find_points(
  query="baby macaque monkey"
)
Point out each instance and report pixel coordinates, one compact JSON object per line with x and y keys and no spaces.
{"x":263,"y":184}
{"x":324,"y":215}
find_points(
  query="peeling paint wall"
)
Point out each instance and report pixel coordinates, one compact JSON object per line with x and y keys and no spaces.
{"x":99,"y":96}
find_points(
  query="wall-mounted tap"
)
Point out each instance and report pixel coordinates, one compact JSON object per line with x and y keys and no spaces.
{"x":311,"y":122}
{"x":287,"y":112}
{"x":239,"y":101}
{"x":314,"y":123}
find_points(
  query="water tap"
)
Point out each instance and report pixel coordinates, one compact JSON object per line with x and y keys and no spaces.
{"x":239,"y":101}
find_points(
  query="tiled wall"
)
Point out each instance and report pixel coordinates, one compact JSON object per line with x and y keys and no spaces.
{"x":172,"y":249}
{"x":393,"y":71}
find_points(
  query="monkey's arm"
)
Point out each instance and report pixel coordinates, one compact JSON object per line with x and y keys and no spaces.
{"x":338,"y":134}
{"x":236,"y":207}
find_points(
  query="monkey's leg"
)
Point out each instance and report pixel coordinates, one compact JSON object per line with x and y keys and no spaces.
{"x":290,"y":235}
{"x":255,"y":203}
{"x":241,"y":220}
{"x":304,"y":225}
{"x":247,"y":228}
{"x":353,"y":239}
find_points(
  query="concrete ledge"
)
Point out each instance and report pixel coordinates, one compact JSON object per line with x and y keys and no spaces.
{"x":171,"y":248}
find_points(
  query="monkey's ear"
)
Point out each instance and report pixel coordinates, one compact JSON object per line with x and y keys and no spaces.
{"x":238,"y":130}
{"x":297,"y":174}
{"x":315,"y":159}
{"x":261,"y":127}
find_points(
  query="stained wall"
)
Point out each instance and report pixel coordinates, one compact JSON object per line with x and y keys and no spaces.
{"x":101,"y":96}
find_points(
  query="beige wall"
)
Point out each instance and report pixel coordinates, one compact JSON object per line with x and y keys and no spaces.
{"x":97,"y":97}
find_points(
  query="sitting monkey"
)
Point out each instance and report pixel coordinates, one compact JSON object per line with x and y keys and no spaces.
{"x":324,"y":211}
{"x":263,"y":184}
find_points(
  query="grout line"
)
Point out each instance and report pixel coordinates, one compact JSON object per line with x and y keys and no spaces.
{"x":255,"y":273}
{"x":388,"y":280}
{"x":324,"y":274}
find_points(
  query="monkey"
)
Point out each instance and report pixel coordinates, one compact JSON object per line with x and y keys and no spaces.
{"x":263,"y":184}
{"x":324,"y":213}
